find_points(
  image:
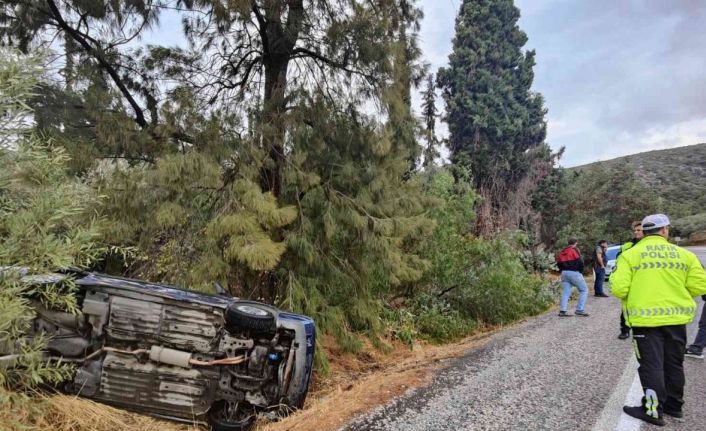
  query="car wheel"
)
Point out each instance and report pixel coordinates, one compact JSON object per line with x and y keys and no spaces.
{"x":225,"y":417}
{"x":249,"y":315}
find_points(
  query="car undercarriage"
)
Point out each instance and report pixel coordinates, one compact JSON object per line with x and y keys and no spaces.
{"x":179,"y":354}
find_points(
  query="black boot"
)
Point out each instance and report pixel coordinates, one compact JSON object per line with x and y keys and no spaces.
{"x":638,"y":412}
{"x":674,"y":413}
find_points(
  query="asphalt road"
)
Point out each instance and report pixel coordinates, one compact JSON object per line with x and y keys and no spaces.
{"x":549,"y":373}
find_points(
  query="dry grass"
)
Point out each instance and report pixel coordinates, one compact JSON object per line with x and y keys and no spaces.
{"x":69,"y":413}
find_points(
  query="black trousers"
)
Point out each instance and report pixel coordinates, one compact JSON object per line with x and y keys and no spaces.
{"x":660,"y":352}
{"x":624,"y":328}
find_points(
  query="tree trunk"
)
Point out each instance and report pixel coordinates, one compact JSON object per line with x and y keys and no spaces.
{"x":278,"y":45}
{"x":273,"y":124}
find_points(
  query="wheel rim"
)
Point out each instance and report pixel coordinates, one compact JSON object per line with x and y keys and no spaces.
{"x":254,"y":311}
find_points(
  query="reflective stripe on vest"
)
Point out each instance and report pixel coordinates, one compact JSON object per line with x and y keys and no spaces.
{"x":662,"y":265}
{"x":670,"y":311}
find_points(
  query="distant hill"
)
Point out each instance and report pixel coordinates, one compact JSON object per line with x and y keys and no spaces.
{"x":677,"y":175}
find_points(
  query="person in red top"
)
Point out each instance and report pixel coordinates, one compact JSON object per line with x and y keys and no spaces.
{"x":570,"y":263}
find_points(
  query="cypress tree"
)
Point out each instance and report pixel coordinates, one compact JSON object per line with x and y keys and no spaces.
{"x":495,"y":120}
{"x":429,"y":114}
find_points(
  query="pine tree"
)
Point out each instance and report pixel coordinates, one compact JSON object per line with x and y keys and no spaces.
{"x":359,"y":218}
{"x":495,"y":120}
{"x":257,"y":164}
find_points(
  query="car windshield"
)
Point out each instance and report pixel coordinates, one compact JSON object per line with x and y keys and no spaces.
{"x":612,"y":252}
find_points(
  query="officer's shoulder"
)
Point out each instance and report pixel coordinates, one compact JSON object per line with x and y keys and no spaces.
{"x":626,"y":246}
{"x":631,"y":250}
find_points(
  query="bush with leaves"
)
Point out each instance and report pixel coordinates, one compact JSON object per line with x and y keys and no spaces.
{"x":48,"y":222}
{"x":472,"y":280}
{"x":501,"y":289}
{"x":538,"y":261}
{"x":685,"y":226}
{"x":439,"y":320}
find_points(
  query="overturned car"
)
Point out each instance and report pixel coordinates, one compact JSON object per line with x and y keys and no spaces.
{"x":179,"y":354}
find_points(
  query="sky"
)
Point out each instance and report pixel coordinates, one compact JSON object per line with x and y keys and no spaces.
{"x":618,"y":76}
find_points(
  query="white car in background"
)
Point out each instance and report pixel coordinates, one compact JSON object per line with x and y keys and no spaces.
{"x":611,"y":255}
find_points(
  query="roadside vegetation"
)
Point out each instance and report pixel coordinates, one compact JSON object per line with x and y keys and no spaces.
{"x":675,"y":177}
{"x":688,"y":225}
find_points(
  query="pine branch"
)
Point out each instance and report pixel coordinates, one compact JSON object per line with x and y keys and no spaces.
{"x":83,"y":39}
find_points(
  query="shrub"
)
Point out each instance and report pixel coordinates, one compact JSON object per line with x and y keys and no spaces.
{"x":500,"y":289}
{"x":687,"y":225}
{"x":538,"y":261}
{"x":438,"y":321}
{"x":472,"y":279}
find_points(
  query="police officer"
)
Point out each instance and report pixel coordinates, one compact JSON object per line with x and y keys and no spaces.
{"x":657,"y":282}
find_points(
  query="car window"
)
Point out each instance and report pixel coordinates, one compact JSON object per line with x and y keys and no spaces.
{"x":612,"y":252}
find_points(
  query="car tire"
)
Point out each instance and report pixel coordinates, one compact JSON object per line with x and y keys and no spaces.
{"x":219,"y":423}
{"x":249,"y":316}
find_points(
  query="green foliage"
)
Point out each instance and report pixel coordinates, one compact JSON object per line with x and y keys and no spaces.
{"x":674,"y":179}
{"x":454,"y":217}
{"x":439,"y":321}
{"x":351,"y":245}
{"x":192,"y":222}
{"x":18,"y":77}
{"x":471,"y":280}
{"x":538,"y":261}
{"x":47,"y":222}
{"x":500,"y":289}
{"x":599,"y":203}
{"x":685,"y":226}
{"x":429,"y":113}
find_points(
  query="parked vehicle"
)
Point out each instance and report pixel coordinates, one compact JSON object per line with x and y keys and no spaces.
{"x":611,"y":255}
{"x":179,"y":354}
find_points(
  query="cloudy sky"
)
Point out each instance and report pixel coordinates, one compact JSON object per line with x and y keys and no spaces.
{"x":619,"y":76}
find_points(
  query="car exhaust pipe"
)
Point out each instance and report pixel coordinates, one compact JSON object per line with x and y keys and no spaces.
{"x":168,"y":356}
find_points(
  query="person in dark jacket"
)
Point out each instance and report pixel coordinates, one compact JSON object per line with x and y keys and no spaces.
{"x":696,"y":349}
{"x":570,"y":263}
{"x":599,"y":264}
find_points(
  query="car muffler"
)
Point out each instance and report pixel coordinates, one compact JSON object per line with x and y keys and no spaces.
{"x":178,"y":358}
{"x":169,"y":356}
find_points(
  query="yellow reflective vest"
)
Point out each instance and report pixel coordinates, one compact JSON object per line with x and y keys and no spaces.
{"x":657,"y":282}
{"x":627,"y":246}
